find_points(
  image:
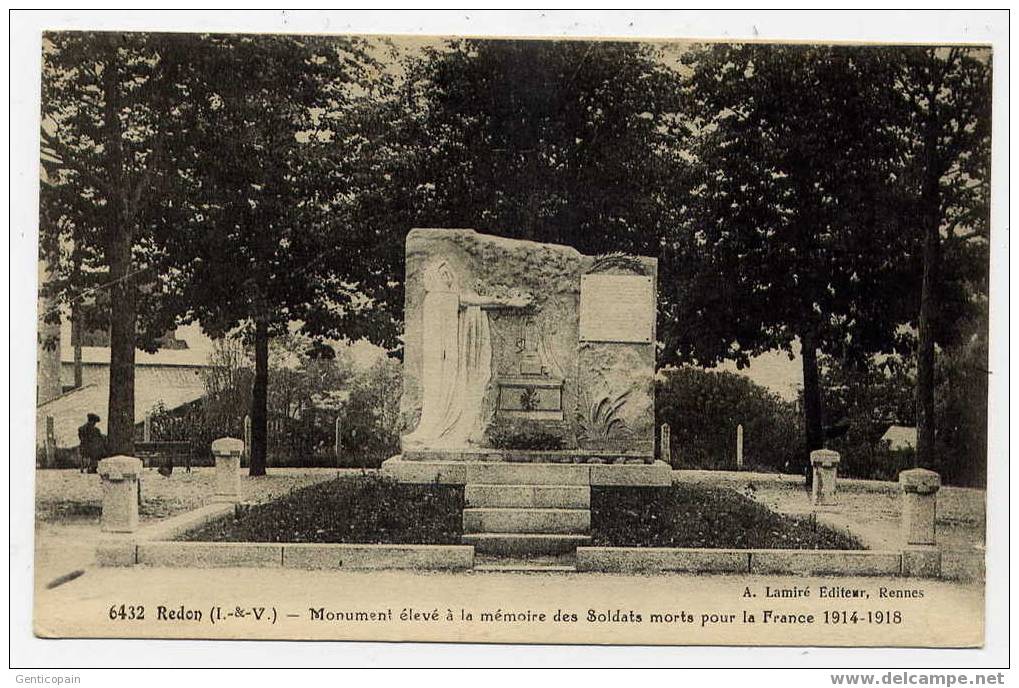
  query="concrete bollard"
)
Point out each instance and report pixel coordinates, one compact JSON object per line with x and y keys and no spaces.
{"x":227,"y":453}
{"x":121,"y":477}
{"x":825,"y":465}
{"x":919,"y":505}
{"x":920,"y":555}
{"x":665,"y":446}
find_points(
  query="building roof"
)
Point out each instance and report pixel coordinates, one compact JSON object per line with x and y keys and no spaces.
{"x":100,"y":355}
{"x":196,"y":353}
{"x":170,"y":386}
{"x":900,"y":437}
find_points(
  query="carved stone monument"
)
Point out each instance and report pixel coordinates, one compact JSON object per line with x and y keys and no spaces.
{"x":526,"y":352}
{"x":528,"y":376}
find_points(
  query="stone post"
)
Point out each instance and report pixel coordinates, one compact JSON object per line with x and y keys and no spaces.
{"x":665,"y":448}
{"x":739,"y":447}
{"x":338,"y":438}
{"x":227,"y":453}
{"x":920,"y":555}
{"x":247,"y":437}
{"x":121,"y":476}
{"x":825,"y":464}
{"x":147,"y":428}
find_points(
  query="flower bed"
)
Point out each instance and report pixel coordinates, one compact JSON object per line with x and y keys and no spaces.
{"x":368,"y":509}
{"x":698,"y":516}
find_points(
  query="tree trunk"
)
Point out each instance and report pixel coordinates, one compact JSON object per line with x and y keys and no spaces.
{"x":122,"y":340}
{"x":259,"y":401}
{"x":813,"y":415}
{"x":123,"y":306}
{"x":76,"y":343}
{"x":76,"y":307}
{"x":925,"y":362}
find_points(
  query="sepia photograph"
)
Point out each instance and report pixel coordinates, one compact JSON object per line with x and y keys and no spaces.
{"x":674,"y":341}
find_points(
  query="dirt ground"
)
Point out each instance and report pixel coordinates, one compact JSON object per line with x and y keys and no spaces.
{"x":69,"y":497}
{"x":67,"y":503}
{"x":68,"y":507}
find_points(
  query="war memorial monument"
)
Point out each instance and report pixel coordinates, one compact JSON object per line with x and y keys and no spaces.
{"x":528,"y":378}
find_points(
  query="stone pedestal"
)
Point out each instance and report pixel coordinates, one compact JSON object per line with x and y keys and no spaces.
{"x":919,"y":505}
{"x":921,"y":561}
{"x":120,"y":476}
{"x":227,"y":452}
{"x":920,"y":554}
{"x":825,"y":464}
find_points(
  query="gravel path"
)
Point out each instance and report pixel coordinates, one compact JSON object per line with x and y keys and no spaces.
{"x":68,"y":497}
{"x":68,"y":504}
{"x":68,"y":507}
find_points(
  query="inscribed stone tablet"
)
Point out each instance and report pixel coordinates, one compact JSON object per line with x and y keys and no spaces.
{"x":616,"y":308}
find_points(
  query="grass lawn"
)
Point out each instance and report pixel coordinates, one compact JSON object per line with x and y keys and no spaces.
{"x":700,"y":516}
{"x":368,"y":509}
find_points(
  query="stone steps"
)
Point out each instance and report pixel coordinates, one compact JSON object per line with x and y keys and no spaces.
{"x":525,"y":544}
{"x":515,"y":520}
{"x":528,"y":496}
{"x":525,"y":568}
{"x":533,"y":517}
{"x":548,"y":563}
{"x":501,"y":473}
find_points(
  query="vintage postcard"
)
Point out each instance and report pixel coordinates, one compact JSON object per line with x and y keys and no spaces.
{"x":573,"y":341}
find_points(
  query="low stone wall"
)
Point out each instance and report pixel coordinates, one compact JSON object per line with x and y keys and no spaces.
{"x":757,"y":561}
{"x":126,"y":545}
{"x":351,"y":556}
{"x":173,"y":527}
{"x":656,"y":559}
{"x":826,"y":562}
{"x":289,"y":555}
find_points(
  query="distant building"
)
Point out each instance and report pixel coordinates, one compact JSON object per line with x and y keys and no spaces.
{"x":171,"y":376}
{"x":900,"y":438}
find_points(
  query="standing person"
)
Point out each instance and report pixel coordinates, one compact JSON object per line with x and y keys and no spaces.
{"x":90,"y":444}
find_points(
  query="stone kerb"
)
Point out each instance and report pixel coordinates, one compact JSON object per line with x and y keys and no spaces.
{"x":227,"y":452}
{"x":920,"y":554}
{"x":120,"y":476}
{"x":825,"y":465}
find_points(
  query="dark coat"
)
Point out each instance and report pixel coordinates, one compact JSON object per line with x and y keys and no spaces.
{"x":92,"y":444}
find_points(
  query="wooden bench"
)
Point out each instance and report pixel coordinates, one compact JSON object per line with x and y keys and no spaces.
{"x":155,"y":454}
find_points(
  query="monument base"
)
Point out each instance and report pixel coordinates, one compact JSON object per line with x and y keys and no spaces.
{"x":532,"y":472}
{"x":588,"y":456}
